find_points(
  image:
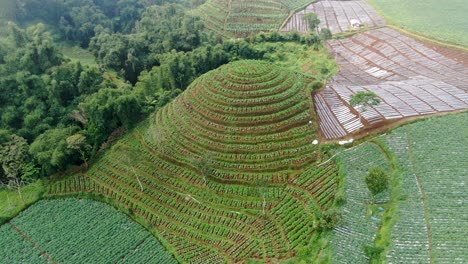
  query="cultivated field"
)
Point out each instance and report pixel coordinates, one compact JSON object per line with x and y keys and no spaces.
{"x":410,"y":78}
{"x":433,"y":220}
{"x":225,"y":172}
{"x":358,"y":228}
{"x":429,"y":208}
{"x":442,"y":20}
{"x":336,"y":15}
{"x":240,"y":17}
{"x":7,"y":9}
{"x":77,"y":231}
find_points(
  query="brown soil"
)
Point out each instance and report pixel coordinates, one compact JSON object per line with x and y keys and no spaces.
{"x":459,"y":54}
{"x":387,"y":125}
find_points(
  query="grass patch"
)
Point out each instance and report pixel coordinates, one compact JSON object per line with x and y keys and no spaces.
{"x":314,"y":62}
{"x":77,"y":54}
{"x":11,"y":203}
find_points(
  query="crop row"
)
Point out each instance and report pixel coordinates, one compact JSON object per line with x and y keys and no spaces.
{"x":171,"y":214}
{"x":82,"y":231}
{"x":243,"y":107}
{"x":289,"y":157}
{"x":296,"y":134}
{"x":358,"y":229}
{"x":200,"y":124}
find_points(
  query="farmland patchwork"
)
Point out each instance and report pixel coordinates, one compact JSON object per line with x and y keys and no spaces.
{"x":338,"y":16}
{"x":410,"y":78}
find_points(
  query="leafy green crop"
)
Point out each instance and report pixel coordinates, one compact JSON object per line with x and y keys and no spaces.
{"x":442,"y":20}
{"x":78,"y":231}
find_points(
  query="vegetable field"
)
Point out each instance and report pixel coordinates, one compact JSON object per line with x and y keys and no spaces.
{"x":226,"y":172}
{"x":430,"y":209}
{"x":239,"y":17}
{"x":77,"y":231}
{"x":358,"y":229}
{"x":442,"y":20}
{"x":411,"y":78}
{"x":337,"y":16}
{"x":8,"y":9}
{"x":434,"y":216}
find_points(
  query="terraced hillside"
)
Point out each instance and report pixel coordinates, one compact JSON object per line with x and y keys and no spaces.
{"x":226,"y":172}
{"x":7,"y":9}
{"x":240,"y":17}
{"x":78,"y":231}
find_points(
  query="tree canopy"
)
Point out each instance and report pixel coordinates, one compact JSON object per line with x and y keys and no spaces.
{"x":377,"y":180}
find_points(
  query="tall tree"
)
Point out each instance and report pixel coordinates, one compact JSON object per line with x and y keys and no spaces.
{"x":13,"y":158}
{"x":377,"y":181}
{"x":363,"y":100}
{"x":79,"y":143}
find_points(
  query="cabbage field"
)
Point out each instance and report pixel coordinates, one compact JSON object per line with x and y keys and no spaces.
{"x":428,"y":221}
{"x":442,"y":20}
{"x":77,"y":231}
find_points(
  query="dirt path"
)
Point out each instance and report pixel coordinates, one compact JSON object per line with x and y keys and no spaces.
{"x":36,"y":246}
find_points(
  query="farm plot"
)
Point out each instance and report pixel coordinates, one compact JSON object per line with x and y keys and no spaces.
{"x":358,"y":229}
{"x":410,"y":78}
{"x":226,"y":172}
{"x":234,"y":18}
{"x":338,"y":16}
{"x":420,"y":16}
{"x":7,"y":9}
{"x":433,"y":220}
{"x":78,"y":231}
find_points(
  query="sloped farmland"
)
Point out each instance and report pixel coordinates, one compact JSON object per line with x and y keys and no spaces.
{"x":236,"y":18}
{"x":226,"y":172}
{"x":411,"y":79}
{"x":336,"y":15}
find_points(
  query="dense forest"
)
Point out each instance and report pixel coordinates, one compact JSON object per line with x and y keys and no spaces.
{"x":56,"y":113}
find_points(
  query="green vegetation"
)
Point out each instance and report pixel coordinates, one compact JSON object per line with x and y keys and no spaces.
{"x":441,"y":20}
{"x":62,"y":98}
{"x":78,"y":231}
{"x":363,"y":101}
{"x":377,"y":181}
{"x":432,"y":154}
{"x":235,"y":150}
{"x":361,"y":220}
{"x":7,"y":10}
{"x":236,"y":18}
{"x":77,"y":54}
{"x":315,"y":62}
{"x":11,"y":203}
{"x":419,"y":218}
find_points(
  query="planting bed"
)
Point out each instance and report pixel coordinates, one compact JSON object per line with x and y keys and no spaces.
{"x":430,"y":209}
{"x":433,"y":220}
{"x":410,"y":78}
{"x":336,"y":15}
{"x":7,"y":9}
{"x":77,"y":231}
{"x":232,"y":18}
{"x":358,"y":229}
{"x":226,"y":172}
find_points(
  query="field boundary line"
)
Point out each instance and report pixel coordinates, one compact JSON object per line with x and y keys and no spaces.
{"x":35,"y":245}
{"x":422,"y":37}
